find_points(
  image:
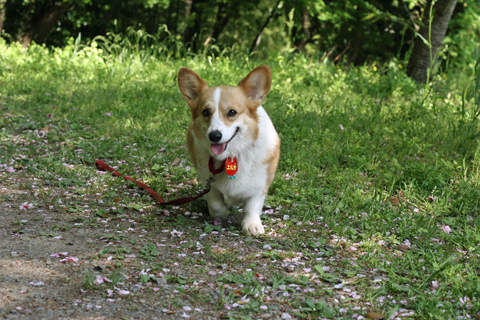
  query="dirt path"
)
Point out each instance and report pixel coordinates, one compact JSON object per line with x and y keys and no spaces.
{"x":60,"y":261}
{"x":33,"y":284}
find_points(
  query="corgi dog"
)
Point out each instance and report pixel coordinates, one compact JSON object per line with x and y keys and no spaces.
{"x":230,"y":125}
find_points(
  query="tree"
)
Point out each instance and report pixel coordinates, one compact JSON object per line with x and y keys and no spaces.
{"x":194,"y":22}
{"x":256,"y":40}
{"x":2,"y":14}
{"x":47,"y":21}
{"x":430,"y":38}
{"x":353,"y":31}
{"x":42,"y":25}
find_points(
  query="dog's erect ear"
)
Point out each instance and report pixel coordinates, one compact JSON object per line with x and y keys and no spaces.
{"x":257,"y":84}
{"x":191,"y":85}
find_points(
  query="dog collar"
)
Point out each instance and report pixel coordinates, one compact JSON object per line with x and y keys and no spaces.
{"x":211,"y":166}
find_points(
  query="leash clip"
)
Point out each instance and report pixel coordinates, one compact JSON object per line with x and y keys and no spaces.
{"x":209,"y":181}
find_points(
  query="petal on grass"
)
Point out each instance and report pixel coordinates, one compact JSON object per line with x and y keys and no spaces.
{"x":446,"y":229}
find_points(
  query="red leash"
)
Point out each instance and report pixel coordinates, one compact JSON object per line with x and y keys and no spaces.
{"x":105,"y":167}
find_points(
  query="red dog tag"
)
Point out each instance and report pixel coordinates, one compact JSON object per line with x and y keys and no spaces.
{"x":231,"y":167}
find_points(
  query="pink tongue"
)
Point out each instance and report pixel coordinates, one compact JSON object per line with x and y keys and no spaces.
{"x":218,"y":148}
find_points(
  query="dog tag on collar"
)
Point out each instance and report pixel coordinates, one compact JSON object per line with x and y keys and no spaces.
{"x":231,"y":167}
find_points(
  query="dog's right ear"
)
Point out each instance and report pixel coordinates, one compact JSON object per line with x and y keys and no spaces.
{"x":191,"y":85}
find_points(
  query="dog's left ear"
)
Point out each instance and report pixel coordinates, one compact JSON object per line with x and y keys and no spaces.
{"x":191,"y":86}
{"x":257,"y":84}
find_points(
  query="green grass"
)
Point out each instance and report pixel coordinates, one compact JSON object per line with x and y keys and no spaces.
{"x":367,"y":157}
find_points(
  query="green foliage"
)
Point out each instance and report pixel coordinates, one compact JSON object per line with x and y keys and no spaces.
{"x":88,"y":280}
{"x":320,"y":308}
{"x":461,"y":51}
{"x":351,"y":32}
{"x":149,"y":252}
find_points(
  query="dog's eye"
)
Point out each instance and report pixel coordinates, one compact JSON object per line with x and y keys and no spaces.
{"x":206,"y":113}
{"x":231,"y":113}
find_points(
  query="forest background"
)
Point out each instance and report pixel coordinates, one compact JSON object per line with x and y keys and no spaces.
{"x":350,"y":32}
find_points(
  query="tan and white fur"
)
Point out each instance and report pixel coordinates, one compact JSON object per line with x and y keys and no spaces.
{"x":231,"y":122}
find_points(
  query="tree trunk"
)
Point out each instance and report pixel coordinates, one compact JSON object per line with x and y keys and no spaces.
{"x":41,"y":27}
{"x":300,"y":43}
{"x":256,"y":41}
{"x":188,"y":8}
{"x":221,"y":21}
{"x":192,"y":32}
{"x":2,"y":15}
{"x":420,"y":62}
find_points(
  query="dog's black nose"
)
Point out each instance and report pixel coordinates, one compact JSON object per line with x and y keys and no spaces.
{"x":215,"y":136}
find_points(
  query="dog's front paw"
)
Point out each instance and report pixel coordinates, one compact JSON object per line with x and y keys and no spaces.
{"x":253,"y":227}
{"x":216,"y":206}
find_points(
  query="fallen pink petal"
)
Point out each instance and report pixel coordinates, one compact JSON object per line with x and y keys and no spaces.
{"x":69,"y":259}
{"x":123,"y":292}
{"x":100,"y":279}
{"x":446,"y":229}
{"x":25,"y":206}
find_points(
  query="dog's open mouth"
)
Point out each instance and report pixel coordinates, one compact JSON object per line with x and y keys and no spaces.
{"x":219,"y":148}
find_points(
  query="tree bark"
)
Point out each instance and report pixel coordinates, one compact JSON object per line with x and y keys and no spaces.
{"x":256,"y":41}
{"x":192,"y":32}
{"x":420,"y":60}
{"x":41,"y":27}
{"x":188,"y":8}
{"x":221,"y":21}
{"x":2,"y":15}
{"x":299,"y":43}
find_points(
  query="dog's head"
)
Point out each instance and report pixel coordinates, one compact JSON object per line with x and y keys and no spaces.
{"x":224,"y":119}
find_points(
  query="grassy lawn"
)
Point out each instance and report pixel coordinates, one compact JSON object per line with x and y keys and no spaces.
{"x":377,"y":188}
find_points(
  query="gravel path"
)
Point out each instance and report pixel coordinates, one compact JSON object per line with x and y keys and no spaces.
{"x":56,"y":265}
{"x":58,"y":262}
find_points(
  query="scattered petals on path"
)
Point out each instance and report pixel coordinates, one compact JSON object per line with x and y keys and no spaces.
{"x":25,"y":206}
{"x":69,"y":259}
{"x":37,"y":284}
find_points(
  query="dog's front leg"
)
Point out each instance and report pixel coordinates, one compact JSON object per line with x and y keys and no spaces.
{"x":216,"y":205}
{"x":251,"y":223}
